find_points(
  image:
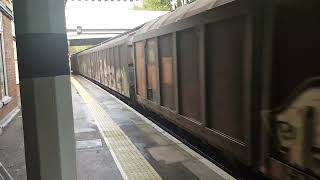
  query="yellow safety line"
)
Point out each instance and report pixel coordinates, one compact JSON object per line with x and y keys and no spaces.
{"x":128,"y":158}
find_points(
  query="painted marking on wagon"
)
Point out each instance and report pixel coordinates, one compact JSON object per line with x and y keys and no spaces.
{"x":128,"y":158}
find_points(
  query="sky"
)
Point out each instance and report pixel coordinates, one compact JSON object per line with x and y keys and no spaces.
{"x":106,"y":14}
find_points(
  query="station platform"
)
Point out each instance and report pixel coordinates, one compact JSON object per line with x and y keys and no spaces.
{"x":116,"y":142}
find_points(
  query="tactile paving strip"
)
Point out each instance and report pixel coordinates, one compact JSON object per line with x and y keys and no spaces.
{"x":4,"y":175}
{"x":128,"y":158}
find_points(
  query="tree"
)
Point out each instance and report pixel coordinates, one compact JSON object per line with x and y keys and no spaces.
{"x":178,"y":3}
{"x":155,"y":5}
{"x":75,"y":49}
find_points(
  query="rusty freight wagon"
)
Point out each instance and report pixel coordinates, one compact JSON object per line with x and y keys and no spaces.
{"x":239,"y":75}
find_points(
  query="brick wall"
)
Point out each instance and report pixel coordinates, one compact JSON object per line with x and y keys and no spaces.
{"x":10,"y":67}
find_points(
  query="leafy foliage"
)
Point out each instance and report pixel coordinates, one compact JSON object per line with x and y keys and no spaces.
{"x":75,"y":49}
{"x":155,"y":5}
{"x":179,"y":3}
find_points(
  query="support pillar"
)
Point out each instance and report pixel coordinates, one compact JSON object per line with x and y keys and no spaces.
{"x":45,"y":89}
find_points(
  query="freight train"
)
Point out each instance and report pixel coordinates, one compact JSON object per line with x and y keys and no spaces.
{"x":240,"y":75}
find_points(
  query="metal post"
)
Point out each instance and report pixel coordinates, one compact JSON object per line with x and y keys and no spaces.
{"x":45,"y":89}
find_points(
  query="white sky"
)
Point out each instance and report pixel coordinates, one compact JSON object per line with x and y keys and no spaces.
{"x":106,"y":14}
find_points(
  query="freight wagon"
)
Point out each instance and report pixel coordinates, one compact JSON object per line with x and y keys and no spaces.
{"x":241,"y":75}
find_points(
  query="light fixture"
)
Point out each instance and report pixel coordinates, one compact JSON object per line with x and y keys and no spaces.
{"x":79,"y":29}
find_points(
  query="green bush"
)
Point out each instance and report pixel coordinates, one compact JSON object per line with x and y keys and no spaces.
{"x":155,"y":5}
{"x":75,"y":49}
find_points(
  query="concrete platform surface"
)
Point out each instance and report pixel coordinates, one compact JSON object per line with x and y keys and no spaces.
{"x":114,"y":142}
{"x":94,"y":160}
{"x":168,"y":156}
{"x":12,"y":149}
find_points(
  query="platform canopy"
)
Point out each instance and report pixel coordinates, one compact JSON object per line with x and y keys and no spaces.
{"x":104,"y":19}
